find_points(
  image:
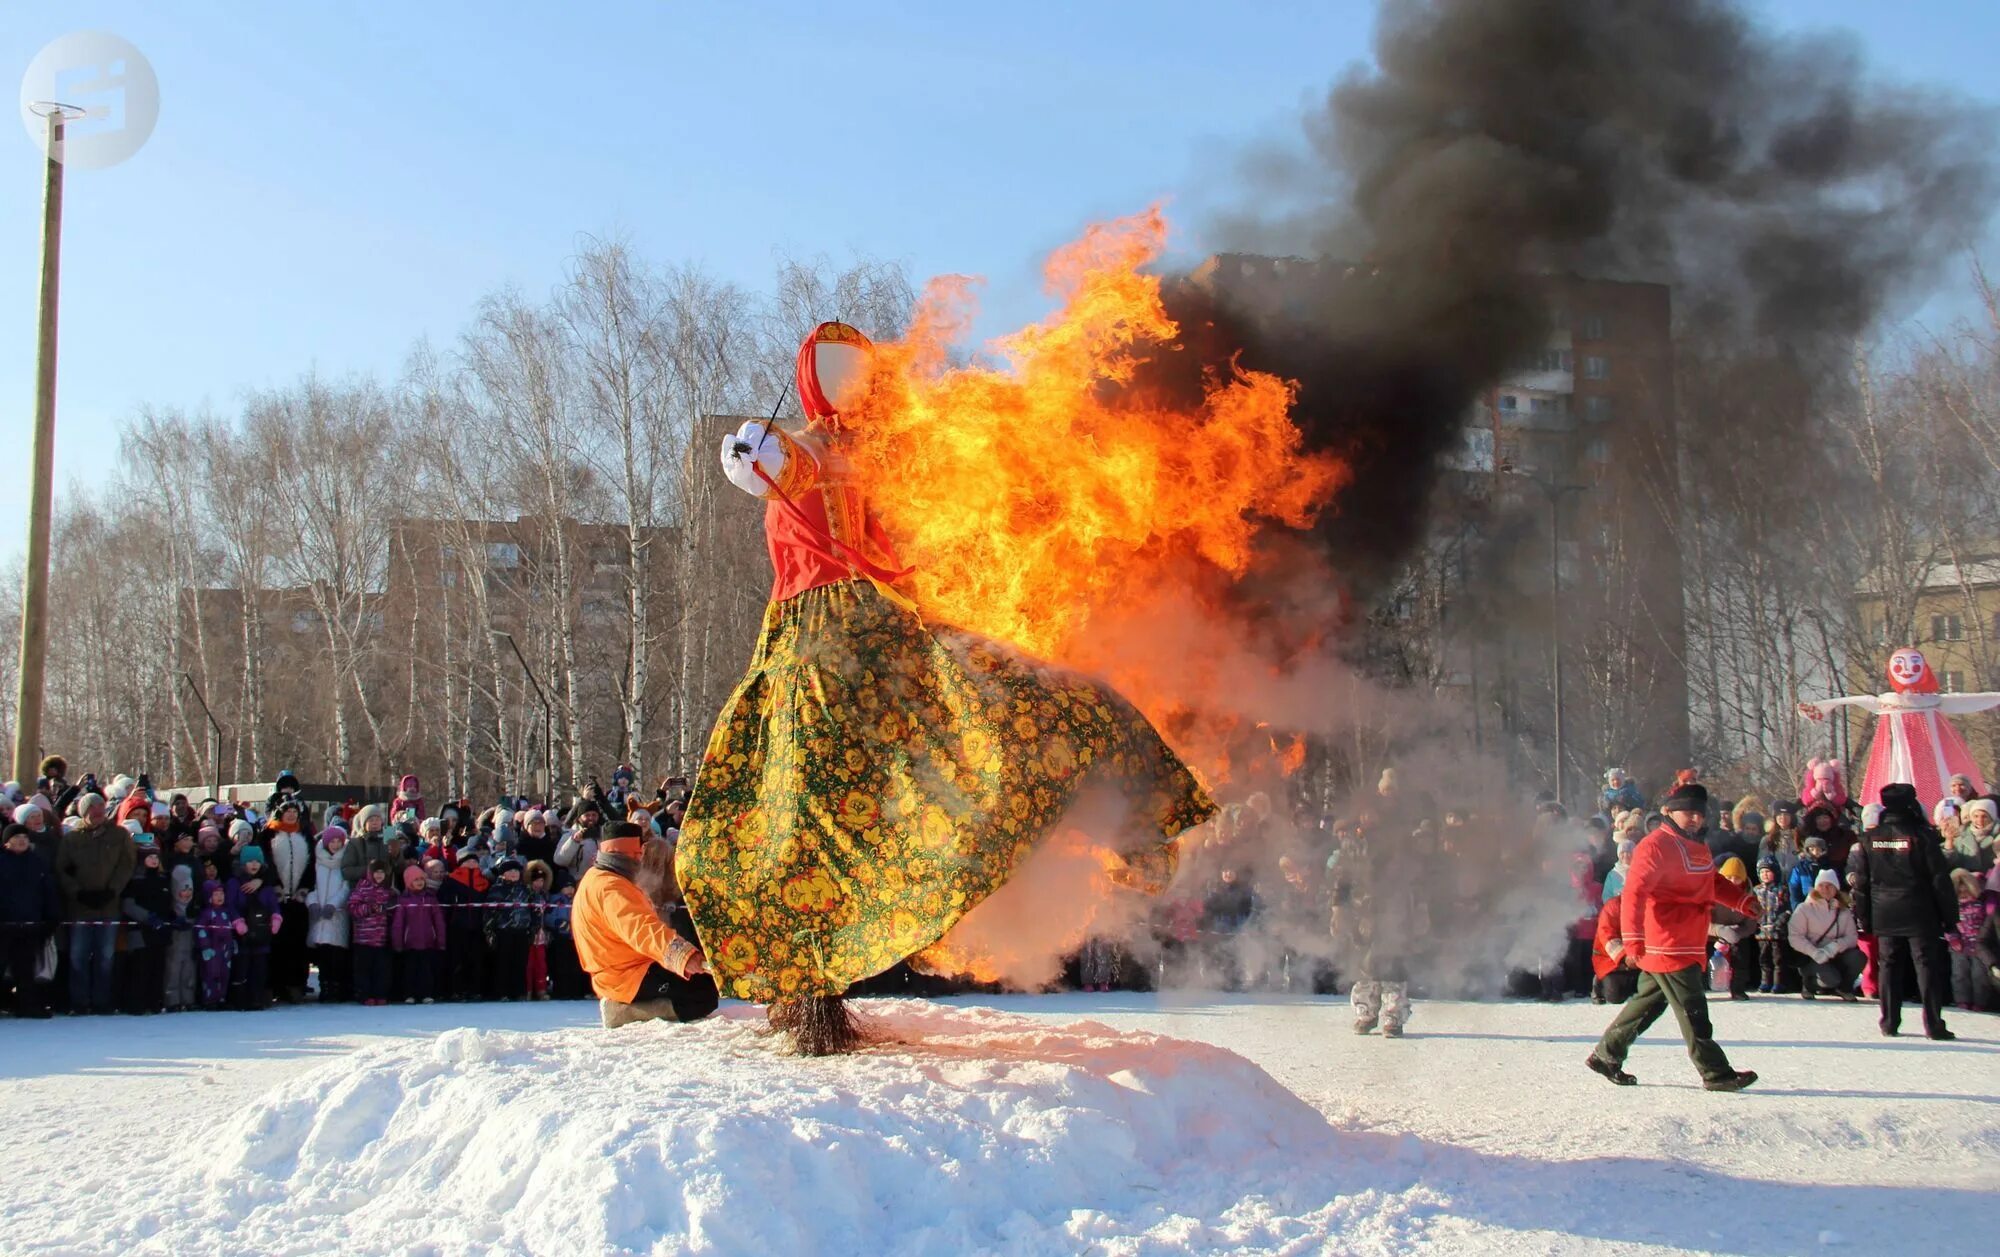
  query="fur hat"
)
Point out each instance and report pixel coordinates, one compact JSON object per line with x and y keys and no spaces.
{"x":1901,"y":797}
{"x":1689,"y":796}
{"x":54,"y":766}
{"x":540,"y":868}
{"x":623,"y":838}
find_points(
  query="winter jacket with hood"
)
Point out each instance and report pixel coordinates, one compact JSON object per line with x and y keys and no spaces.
{"x":363,"y":848}
{"x":1672,"y":885}
{"x":92,"y":867}
{"x":257,"y":908}
{"x":326,"y":902}
{"x":1903,"y":887}
{"x":514,"y":908}
{"x":1973,"y":914}
{"x":149,"y":901}
{"x":291,"y":865}
{"x":417,"y":924}
{"x":1798,"y":887}
{"x":619,"y":935}
{"x":462,"y":894}
{"x":369,"y":908}
{"x":28,"y":897}
{"x":1823,"y":930}
{"x":1605,"y":946}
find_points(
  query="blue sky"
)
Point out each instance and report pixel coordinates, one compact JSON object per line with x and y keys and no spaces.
{"x":328,"y":183}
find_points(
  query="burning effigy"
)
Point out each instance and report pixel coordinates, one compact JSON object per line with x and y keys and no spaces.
{"x":908,"y":738}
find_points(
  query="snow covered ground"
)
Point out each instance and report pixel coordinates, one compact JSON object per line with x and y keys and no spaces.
{"x":1054,"y":1124}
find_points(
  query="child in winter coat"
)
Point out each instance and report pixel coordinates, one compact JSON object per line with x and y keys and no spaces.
{"x":181,"y":984}
{"x":1971,"y":985}
{"x":1732,"y":936}
{"x":513,"y":919}
{"x":215,"y":944}
{"x":148,"y":900}
{"x":1799,"y":887}
{"x":567,"y":980}
{"x":541,"y":879}
{"x":326,"y":918}
{"x":417,"y":932}
{"x":1774,"y":913}
{"x":368,"y":908}
{"x":463,"y":893}
{"x":253,"y":898}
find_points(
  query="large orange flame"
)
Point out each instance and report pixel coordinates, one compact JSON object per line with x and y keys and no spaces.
{"x":1041,"y":504}
{"x":1046,"y":503}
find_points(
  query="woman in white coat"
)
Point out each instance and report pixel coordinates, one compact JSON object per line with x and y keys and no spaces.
{"x":326,"y":915}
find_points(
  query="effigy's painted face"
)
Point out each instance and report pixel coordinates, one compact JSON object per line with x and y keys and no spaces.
{"x":1908,"y":670}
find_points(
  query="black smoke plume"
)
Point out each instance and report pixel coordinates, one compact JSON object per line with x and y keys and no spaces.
{"x":1787,"y":196}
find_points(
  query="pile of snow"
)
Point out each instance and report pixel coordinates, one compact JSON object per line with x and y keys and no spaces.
{"x":1150,"y":1128}
{"x":965,"y":1130}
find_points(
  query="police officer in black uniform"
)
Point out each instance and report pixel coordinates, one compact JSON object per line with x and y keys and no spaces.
{"x":1903,"y":895}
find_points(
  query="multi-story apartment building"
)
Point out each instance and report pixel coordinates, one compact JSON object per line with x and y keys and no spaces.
{"x":1568,"y":471}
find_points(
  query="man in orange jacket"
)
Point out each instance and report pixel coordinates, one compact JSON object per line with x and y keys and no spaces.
{"x":1663,"y":925}
{"x":640,"y":968}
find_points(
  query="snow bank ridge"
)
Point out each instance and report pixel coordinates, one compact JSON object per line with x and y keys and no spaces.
{"x":965,"y":1131}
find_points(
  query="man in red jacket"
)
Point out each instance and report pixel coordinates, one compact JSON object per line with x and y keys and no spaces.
{"x":1663,"y":924}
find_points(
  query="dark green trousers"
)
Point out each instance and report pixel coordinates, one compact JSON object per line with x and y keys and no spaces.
{"x":1681,"y":990}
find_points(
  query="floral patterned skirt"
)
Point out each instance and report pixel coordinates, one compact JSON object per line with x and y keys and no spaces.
{"x":874,"y":778}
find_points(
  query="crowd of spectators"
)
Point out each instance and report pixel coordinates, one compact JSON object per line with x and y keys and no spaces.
{"x":113,"y":898}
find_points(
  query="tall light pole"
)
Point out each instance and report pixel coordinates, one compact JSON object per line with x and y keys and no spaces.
{"x":42,"y":475}
{"x":1555,"y":491}
{"x":548,"y":718}
{"x":212,"y":724}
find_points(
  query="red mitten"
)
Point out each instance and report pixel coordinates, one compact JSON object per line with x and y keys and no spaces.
{"x":241,"y":926}
{"x":277,"y":922}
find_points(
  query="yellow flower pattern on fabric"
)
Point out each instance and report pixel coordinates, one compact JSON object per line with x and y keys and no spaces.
{"x":873,"y":779}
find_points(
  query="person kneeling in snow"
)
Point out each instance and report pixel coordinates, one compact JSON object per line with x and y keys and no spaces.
{"x":640,"y":968}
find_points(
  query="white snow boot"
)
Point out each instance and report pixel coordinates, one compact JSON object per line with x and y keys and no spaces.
{"x":615,"y":1014}
{"x":1367,"y":999}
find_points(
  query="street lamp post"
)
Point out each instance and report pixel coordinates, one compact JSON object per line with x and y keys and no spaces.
{"x":548,"y":717}
{"x":1555,"y":491}
{"x":41,"y":479}
{"x":213,"y":725}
